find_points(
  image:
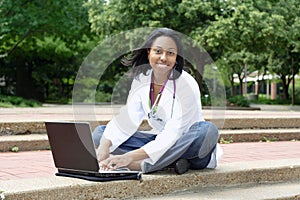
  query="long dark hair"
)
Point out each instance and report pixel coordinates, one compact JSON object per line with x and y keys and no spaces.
{"x":139,"y":57}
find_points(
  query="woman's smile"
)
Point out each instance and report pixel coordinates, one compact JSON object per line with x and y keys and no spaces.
{"x":162,"y":65}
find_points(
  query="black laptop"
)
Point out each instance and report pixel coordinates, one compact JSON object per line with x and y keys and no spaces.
{"x":74,"y":153}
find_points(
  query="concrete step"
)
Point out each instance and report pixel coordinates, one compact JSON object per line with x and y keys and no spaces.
{"x":264,"y":135}
{"x":281,"y":190}
{"x":251,"y":122}
{"x":40,"y":141}
{"x":237,"y":175}
{"x":24,"y":142}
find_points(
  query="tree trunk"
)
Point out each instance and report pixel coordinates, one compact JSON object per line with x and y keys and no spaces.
{"x":23,"y":79}
{"x":241,"y":86}
{"x":285,"y":87}
{"x":232,"y":89}
{"x":293,"y":90}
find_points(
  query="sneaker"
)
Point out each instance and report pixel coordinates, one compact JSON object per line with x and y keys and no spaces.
{"x":181,"y":166}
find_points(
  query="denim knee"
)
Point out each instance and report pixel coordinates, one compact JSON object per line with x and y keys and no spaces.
{"x":97,"y":134}
{"x":205,"y":127}
{"x":210,"y":140}
{"x":213,"y":129}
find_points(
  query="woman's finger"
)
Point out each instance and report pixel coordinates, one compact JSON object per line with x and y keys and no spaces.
{"x":113,"y":164}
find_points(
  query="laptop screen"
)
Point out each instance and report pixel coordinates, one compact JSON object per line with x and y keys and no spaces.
{"x":72,"y":146}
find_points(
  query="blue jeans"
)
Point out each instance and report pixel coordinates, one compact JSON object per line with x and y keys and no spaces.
{"x":196,"y":146}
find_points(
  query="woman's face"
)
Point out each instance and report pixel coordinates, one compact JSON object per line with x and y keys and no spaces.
{"x":162,"y":54}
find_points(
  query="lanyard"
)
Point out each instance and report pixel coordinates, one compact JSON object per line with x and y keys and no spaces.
{"x":153,"y":103}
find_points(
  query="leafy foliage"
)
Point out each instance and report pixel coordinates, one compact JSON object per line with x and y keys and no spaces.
{"x":257,"y":35}
{"x":42,"y":46}
{"x":43,"y":43}
{"x":239,"y":100}
{"x":14,"y":101}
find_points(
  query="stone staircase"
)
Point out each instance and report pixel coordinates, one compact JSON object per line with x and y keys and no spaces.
{"x":32,"y":135}
{"x":272,"y":179}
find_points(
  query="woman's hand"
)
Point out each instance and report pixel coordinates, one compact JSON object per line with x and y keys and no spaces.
{"x":116,"y":161}
{"x":102,"y":153}
{"x":103,"y":150}
{"x":131,"y":160}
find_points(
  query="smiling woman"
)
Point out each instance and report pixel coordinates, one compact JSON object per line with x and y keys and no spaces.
{"x":170,"y":99}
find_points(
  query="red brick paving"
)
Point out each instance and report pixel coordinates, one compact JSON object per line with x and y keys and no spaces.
{"x":237,"y":152}
{"x":31,"y":164}
{"x":28,"y":164}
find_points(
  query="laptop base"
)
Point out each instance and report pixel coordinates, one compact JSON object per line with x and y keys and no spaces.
{"x":107,"y":177}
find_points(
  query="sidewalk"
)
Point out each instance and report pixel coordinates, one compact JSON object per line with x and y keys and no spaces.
{"x":105,"y":112}
{"x":33,"y":164}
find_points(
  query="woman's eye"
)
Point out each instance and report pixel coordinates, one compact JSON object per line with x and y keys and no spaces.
{"x":171,"y":53}
{"x":157,"y":50}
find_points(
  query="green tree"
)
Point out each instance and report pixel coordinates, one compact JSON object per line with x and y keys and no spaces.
{"x":255,"y":35}
{"x":283,"y":42}
{"x":116,"y":16}
{"x":42,"y":45}
{"x":258,"y":35}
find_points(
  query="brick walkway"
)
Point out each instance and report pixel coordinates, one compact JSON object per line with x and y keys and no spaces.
{"x":32,"y":164}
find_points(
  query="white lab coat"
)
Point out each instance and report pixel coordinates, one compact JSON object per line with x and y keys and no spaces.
{"x":186,"y":111}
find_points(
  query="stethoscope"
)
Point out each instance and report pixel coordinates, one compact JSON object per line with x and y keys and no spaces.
{"x":153,"y":103}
